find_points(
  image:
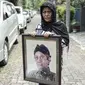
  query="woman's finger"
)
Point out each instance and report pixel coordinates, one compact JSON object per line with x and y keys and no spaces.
{"x":33,"y":34}
{"x":46,"y":35}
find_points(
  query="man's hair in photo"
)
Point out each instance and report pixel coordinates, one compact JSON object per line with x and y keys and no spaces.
{"x":43,"y":49}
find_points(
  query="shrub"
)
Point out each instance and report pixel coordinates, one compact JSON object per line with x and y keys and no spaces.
{"x":61,"y":10}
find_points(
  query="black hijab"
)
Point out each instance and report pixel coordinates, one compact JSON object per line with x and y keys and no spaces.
{"x":58,"y":27}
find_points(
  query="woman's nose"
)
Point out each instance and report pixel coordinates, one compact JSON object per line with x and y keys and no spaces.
{"x":46,"y":13}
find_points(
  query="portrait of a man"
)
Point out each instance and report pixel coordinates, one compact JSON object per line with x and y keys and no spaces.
{"x":42,"y":58}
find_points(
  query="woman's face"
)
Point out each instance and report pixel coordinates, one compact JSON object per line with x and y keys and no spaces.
{"x":42,"y":60}
{"x":47,"y":14}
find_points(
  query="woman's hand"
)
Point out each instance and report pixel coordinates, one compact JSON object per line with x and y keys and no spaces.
{"x":33,"y":33}
{"x":47,"y":34}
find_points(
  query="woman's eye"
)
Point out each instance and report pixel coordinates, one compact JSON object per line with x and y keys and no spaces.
{"x":46,"y":12}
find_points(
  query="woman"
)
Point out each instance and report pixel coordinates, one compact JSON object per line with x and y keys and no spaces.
{"x":49,"y":26}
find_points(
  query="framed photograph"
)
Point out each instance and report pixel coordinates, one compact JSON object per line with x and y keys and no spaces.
{"x":42,"y":59}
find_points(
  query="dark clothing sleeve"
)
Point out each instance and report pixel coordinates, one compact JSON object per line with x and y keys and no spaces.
{"x":39,"y":30}
{"x":60,"y":29}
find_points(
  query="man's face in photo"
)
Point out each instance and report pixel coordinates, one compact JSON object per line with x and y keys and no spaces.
{"x":42,"y":60}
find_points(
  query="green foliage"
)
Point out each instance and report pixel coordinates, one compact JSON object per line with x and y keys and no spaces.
{"x":32,"y":4}
{"x":72,"y":12}
{"x":78,"y":3}
{"x":24,"y":3}
{"x":41,"y":2}
{"x":61,"y":10}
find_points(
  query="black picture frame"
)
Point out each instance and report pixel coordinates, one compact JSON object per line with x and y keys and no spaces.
{"x":54,"y":45}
